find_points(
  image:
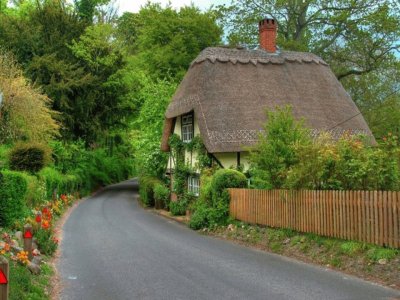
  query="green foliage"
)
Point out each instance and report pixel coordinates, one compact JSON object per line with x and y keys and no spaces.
{"x":178,"y":208}
{"x":25,"y":114}
{"x":155,"y":96}
{"x":4,"y":156}
{"x":161,"y":196}
{"x":212,"y":207}
{"x":351,"y":248}
{"x":378,"y":97}
{"x":91,"y":168}
{"x":371,"y":29}
{"x":47,"y":245}
{"x":206,"y":216}
{"x":30,"y":157}
{"x":286,"y":157}
{"x":146,"y":189}
{"x":56,"y":182}
{"x":13,"y":188}
{"x":221,"y":181}
{"x":276,"y":149}
{"x":25,"y":286}
{"x":377,"y":253}
{"x":166,"y":40}
{"x":36,"y":191}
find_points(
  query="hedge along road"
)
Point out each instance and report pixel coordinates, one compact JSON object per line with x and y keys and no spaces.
{"x":114,"y":249}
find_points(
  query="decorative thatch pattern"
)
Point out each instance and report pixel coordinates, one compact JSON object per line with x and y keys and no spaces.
{"x":254,"y":57}
{"x":229,"y":91}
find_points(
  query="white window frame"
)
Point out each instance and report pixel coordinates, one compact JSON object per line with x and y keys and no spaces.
{"x":194,"y":184}
{"x":187,"y":127}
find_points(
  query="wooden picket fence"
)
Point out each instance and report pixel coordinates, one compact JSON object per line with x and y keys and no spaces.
{"x":366,"y":216}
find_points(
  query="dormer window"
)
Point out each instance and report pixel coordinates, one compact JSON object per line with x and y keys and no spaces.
{"x":187,"y":128}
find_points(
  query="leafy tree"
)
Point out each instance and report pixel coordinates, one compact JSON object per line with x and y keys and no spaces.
{"x":377,"y":94}
{"x":102,"y":106}
{"x":354,"y":37}
{"x":25,"y":112}
{"x":149,"y":125}
{"x":165,"y":41}
{"x":276,"y":152}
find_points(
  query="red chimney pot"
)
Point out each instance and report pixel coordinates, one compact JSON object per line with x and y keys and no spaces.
{"x":267,"y":29}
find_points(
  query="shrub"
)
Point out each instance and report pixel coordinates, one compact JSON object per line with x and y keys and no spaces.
{"x":206,"y":216}
{"x":4,"y":156}
{"x":13,"y":189}
{"x":146,"y":189}
{"x":31,"y":157}
{"x":205,"y":194}
{"x":276,"y":152}
{"x":199,"y":218}
{"x":223,"y":179}
{"x":178,"y":208}
{"x":52,"y":179}
{"x":46,"y":242}
{"x":161,"y":195}
{"x":36,"y":191}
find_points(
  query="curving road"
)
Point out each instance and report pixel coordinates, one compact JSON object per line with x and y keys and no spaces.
{"x":114,"y":249}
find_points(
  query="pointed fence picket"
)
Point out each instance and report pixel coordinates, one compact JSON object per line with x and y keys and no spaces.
{"x":366,"y":216}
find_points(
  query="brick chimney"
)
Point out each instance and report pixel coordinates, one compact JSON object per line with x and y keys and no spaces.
{"x":267,"y":29}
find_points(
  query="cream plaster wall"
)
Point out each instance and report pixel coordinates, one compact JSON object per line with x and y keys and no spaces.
{"x":227,"y":159}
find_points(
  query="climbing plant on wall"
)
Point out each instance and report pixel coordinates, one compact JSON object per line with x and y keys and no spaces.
{"x":182,"y":168}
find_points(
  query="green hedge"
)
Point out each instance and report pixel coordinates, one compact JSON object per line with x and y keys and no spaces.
{"x":61,"y":183}
{"x":223,"y":179}
{"x":146,"y":189}
{"x":13,"y":190}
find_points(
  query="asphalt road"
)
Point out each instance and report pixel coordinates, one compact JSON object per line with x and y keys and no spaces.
{"x":114,"y":249}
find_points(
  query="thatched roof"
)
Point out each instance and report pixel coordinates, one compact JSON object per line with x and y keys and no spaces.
{"x":229,"y":91}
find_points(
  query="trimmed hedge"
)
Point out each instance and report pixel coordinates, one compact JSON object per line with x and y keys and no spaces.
{"x":13,"y":190}
{"x":55,"y":181}
{"x":30,"y":157}
{"x":223,"y":179}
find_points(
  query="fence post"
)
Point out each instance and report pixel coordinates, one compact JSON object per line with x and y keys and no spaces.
{"x":28,"y":240}
{"x":3,"y":278}
{"x":54,"y":195}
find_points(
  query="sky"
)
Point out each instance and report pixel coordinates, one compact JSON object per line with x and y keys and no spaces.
{"x":134,"y":5}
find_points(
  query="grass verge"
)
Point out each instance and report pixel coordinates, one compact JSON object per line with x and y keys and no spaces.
{"x":367,"y":261}
{"x":23,"y":285}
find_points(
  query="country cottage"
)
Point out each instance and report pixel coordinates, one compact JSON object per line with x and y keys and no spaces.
{"x":225,"y":94}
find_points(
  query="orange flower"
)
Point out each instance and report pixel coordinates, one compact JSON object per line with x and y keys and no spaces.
{"x":7,"y":247}
{"x":45,"y":224}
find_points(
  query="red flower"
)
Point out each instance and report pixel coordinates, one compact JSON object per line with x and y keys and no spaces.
{"x":38,"y":218}
{"x":45,"y":210}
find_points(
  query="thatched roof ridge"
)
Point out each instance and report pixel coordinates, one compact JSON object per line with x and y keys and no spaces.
{"x":254,"y":57}
{"x":229,"y":91}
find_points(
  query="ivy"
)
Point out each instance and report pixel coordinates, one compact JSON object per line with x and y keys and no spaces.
{"x":182,"y":169}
